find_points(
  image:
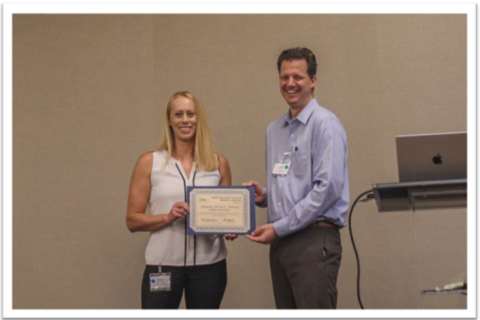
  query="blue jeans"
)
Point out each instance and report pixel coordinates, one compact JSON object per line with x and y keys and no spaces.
{"x":204,"y":287}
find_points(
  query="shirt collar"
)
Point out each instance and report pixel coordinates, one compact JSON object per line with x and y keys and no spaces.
{"x":304,"y":114}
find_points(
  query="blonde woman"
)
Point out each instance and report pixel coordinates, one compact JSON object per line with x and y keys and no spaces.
{"x":177,"y":262}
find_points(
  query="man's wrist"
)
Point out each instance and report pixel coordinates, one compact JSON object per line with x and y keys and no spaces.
{"x":281,"y":227}
{"x":262,"y":203}
{"x":264,"y":194}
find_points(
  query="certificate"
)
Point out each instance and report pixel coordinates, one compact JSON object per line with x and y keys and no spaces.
{"x":221,"y":210}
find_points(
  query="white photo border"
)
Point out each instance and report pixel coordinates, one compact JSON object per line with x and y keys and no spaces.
{"x":217,"y":7}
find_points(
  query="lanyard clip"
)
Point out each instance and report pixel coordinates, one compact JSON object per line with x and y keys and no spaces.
{"x":286,"y":155}
{"x":159,"y":268}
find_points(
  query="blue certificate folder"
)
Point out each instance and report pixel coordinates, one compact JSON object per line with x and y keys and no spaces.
{"x":221,"y":210}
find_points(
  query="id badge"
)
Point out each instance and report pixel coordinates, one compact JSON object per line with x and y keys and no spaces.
{"x":160,"y":281}
{"x":281,"y":168}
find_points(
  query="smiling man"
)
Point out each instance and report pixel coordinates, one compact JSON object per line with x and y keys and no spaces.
{"x":307,"y":194}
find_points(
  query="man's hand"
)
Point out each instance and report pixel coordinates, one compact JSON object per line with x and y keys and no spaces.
{"x":230,"y":237}
{"x":264,"y":234}
{"x":260,"y":193}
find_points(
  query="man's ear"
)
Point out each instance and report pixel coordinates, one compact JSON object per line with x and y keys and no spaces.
{"x":314,"y":81}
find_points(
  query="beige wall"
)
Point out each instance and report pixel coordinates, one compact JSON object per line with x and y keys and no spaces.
{"x":88,"y":91}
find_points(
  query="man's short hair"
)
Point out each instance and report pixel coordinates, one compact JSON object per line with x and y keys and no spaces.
{"x":299,"y":53}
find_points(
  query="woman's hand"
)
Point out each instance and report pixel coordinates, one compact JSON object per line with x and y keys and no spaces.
{"x":179,"y":210}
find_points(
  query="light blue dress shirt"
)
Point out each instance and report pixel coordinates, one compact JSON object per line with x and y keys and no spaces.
{"x":316,"y":185}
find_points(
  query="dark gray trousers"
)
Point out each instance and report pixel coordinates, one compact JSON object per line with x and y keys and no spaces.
{"x":304,"y":267}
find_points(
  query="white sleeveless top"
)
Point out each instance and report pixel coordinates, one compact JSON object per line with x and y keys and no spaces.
{"x":171,"y":246}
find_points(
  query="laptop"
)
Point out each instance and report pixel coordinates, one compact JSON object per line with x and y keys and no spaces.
{"x":430,"y":157}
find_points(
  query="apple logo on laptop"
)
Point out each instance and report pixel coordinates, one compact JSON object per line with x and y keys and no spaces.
{"x":437,"y":159}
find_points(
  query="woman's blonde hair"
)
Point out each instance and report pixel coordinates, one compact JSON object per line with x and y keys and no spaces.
{"x":205,"y":153}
